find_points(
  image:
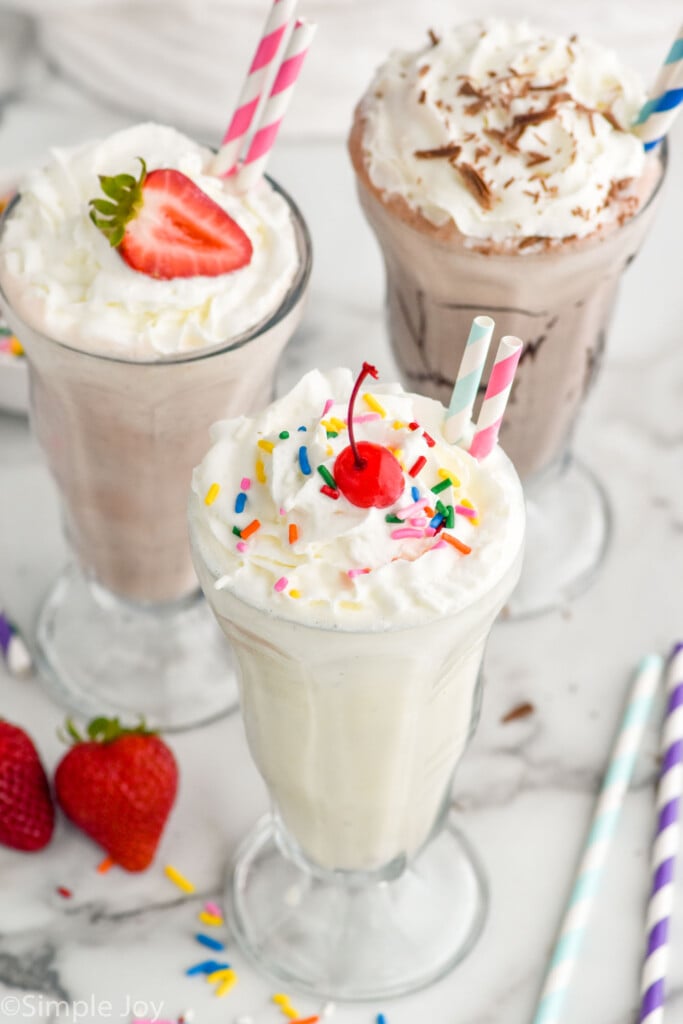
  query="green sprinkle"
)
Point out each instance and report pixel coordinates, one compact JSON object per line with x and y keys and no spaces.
{"x":392,"y":519}
{"x":450,"y":517}
{"x":327,"y":477}
{"x":441,"y":486}
{"x":440,"y":507}
{"x":236,"y":530}
{"x":332,"y":433}
{"x":283,"y":435}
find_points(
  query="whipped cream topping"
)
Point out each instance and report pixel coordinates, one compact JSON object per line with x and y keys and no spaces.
{"x":507,"y":131}
{"x":64,"y":279}
{"x":313,"y":558}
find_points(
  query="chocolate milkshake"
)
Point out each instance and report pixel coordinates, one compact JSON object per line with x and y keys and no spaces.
{"x":128,"y":370}
{"x":496,"y":168}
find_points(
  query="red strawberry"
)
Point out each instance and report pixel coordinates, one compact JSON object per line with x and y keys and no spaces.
{"x":27,"y":816}
{"x":118,"y":787}
{"x":165,"y":226}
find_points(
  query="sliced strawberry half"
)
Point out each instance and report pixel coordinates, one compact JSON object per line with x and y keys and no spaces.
{"x":164,"y":226}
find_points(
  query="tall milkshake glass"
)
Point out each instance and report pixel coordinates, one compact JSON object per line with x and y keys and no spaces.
{"x":125,"y":629}
{"x":555,"y":290}
{"x":358,"y":885}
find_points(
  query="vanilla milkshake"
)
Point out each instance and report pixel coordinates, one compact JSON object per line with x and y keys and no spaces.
{"x":136,"y":343}
{"x":496,"y":167}
{"x":359,"y":628}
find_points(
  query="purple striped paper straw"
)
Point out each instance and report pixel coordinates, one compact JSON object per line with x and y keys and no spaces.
{"x":665,"y":848}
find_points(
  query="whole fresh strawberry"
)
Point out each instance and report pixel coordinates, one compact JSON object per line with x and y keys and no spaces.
{"x":118,"y":787}
{"x":165,"y":226}
{"x":27,"y":815}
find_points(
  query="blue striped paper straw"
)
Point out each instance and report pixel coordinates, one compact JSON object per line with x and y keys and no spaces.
{"x":660,"y":111}
{"x":664,"y":849}
{"x":469,"y":375}
{"x":603,"y":827}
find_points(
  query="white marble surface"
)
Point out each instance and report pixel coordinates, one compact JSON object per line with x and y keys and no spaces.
{"x":525,"y":790}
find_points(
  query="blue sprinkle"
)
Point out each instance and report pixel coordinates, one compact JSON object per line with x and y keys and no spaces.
{"x":301,"y":428}
{"x":381,"y":1019}
{"x":206,"y":967}
{"x":415,"y":491}
{"x":240,"y":502}
{"x":206,"y":940}
{"x":436,"y":521}
{"x":303,"y":460}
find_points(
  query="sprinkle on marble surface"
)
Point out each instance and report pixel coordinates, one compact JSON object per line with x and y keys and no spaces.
{"x":213,"y":909}
{"x":206,"y":940}
{"x":105,"y":865}
{"x":212,"y":920}
{"x":522,"y":710}
{"x":65,"y":893}
{"x":178,"y":879}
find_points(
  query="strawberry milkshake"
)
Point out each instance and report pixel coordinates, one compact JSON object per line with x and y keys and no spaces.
{"x":356,"y":560}
{"x":498,"y":171}
{"x":151,"y":299}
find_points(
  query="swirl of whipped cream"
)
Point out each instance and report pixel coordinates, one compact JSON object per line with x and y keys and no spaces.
{"x":65,"y":280}
{"x":506,"y":131}
{"x":342,"y":566}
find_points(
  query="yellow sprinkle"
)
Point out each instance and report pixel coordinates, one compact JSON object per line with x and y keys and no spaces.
{"x":329,"y":450}
{"x":352,"y":606}
{"x":445,"y":475}
{"x":266,"y":445}
{"x":398,"y":452}
{"x":398,"y":425}
{"x":228,"y":982}
{"x":174,"y":875}
{"x":468,"y":504}
{"x":212,"y":494}
{"x":374,"y":404}
{"x":210,"y":919}
{"x":215,"y":976}
{"x":338,"y":424}
{"x":280,"y":999}
{"x":290,"y":1012}
{"x":15,"y":347}
{"x":295,"y":593}
{"x":260,"y":471}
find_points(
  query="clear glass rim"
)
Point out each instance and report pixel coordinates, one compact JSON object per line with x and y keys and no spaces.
{"x":294,"y":293}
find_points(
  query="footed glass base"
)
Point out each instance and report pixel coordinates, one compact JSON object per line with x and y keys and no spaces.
{"x":569,"y":526}
{"x":100,"y":655}
{"x":351,"y":937}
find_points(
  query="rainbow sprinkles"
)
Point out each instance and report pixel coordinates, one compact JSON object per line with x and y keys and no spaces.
{"x":383,"y":487}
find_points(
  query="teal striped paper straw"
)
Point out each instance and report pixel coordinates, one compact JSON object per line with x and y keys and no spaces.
{"x":469,"y":374}
{"x":603,"y":827}
{"x":660,"y":111}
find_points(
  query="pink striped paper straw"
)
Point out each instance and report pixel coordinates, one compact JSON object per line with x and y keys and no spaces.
{"x":276,"y":105}
{"x":496,"y":397}
{"x":262,"y":62}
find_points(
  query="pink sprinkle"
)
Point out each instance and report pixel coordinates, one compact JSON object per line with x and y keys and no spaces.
{"x":405,"y":532}
{"x":281,"y":584}
{"x":245,"y":484}
{"x":463,"y":510}
{"x":366,"y":417}
{"x":282,"y":512}
{"x":416,"y":521}
{"x":213,"y":908}
{"x":409,"y":510}
{"x":439,"y":544}
{"x":430,"y":531}
{"x":328,"y":405}
{"x":352,"y":573}
{"x":241,"y":546}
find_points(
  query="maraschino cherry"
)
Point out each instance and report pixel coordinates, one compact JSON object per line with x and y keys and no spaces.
{"x":367,"y":474}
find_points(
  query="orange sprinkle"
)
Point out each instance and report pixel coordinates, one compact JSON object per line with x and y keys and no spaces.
{"x":429,"y":511}
{"x":463,"y":548}
{"x":253,"y":526}
{"x":293,"y":533}
{"x":15,"y":347}
{"x":105,"y":865}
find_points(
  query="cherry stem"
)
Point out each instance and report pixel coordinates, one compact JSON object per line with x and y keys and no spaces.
{"x":367,"y":371}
